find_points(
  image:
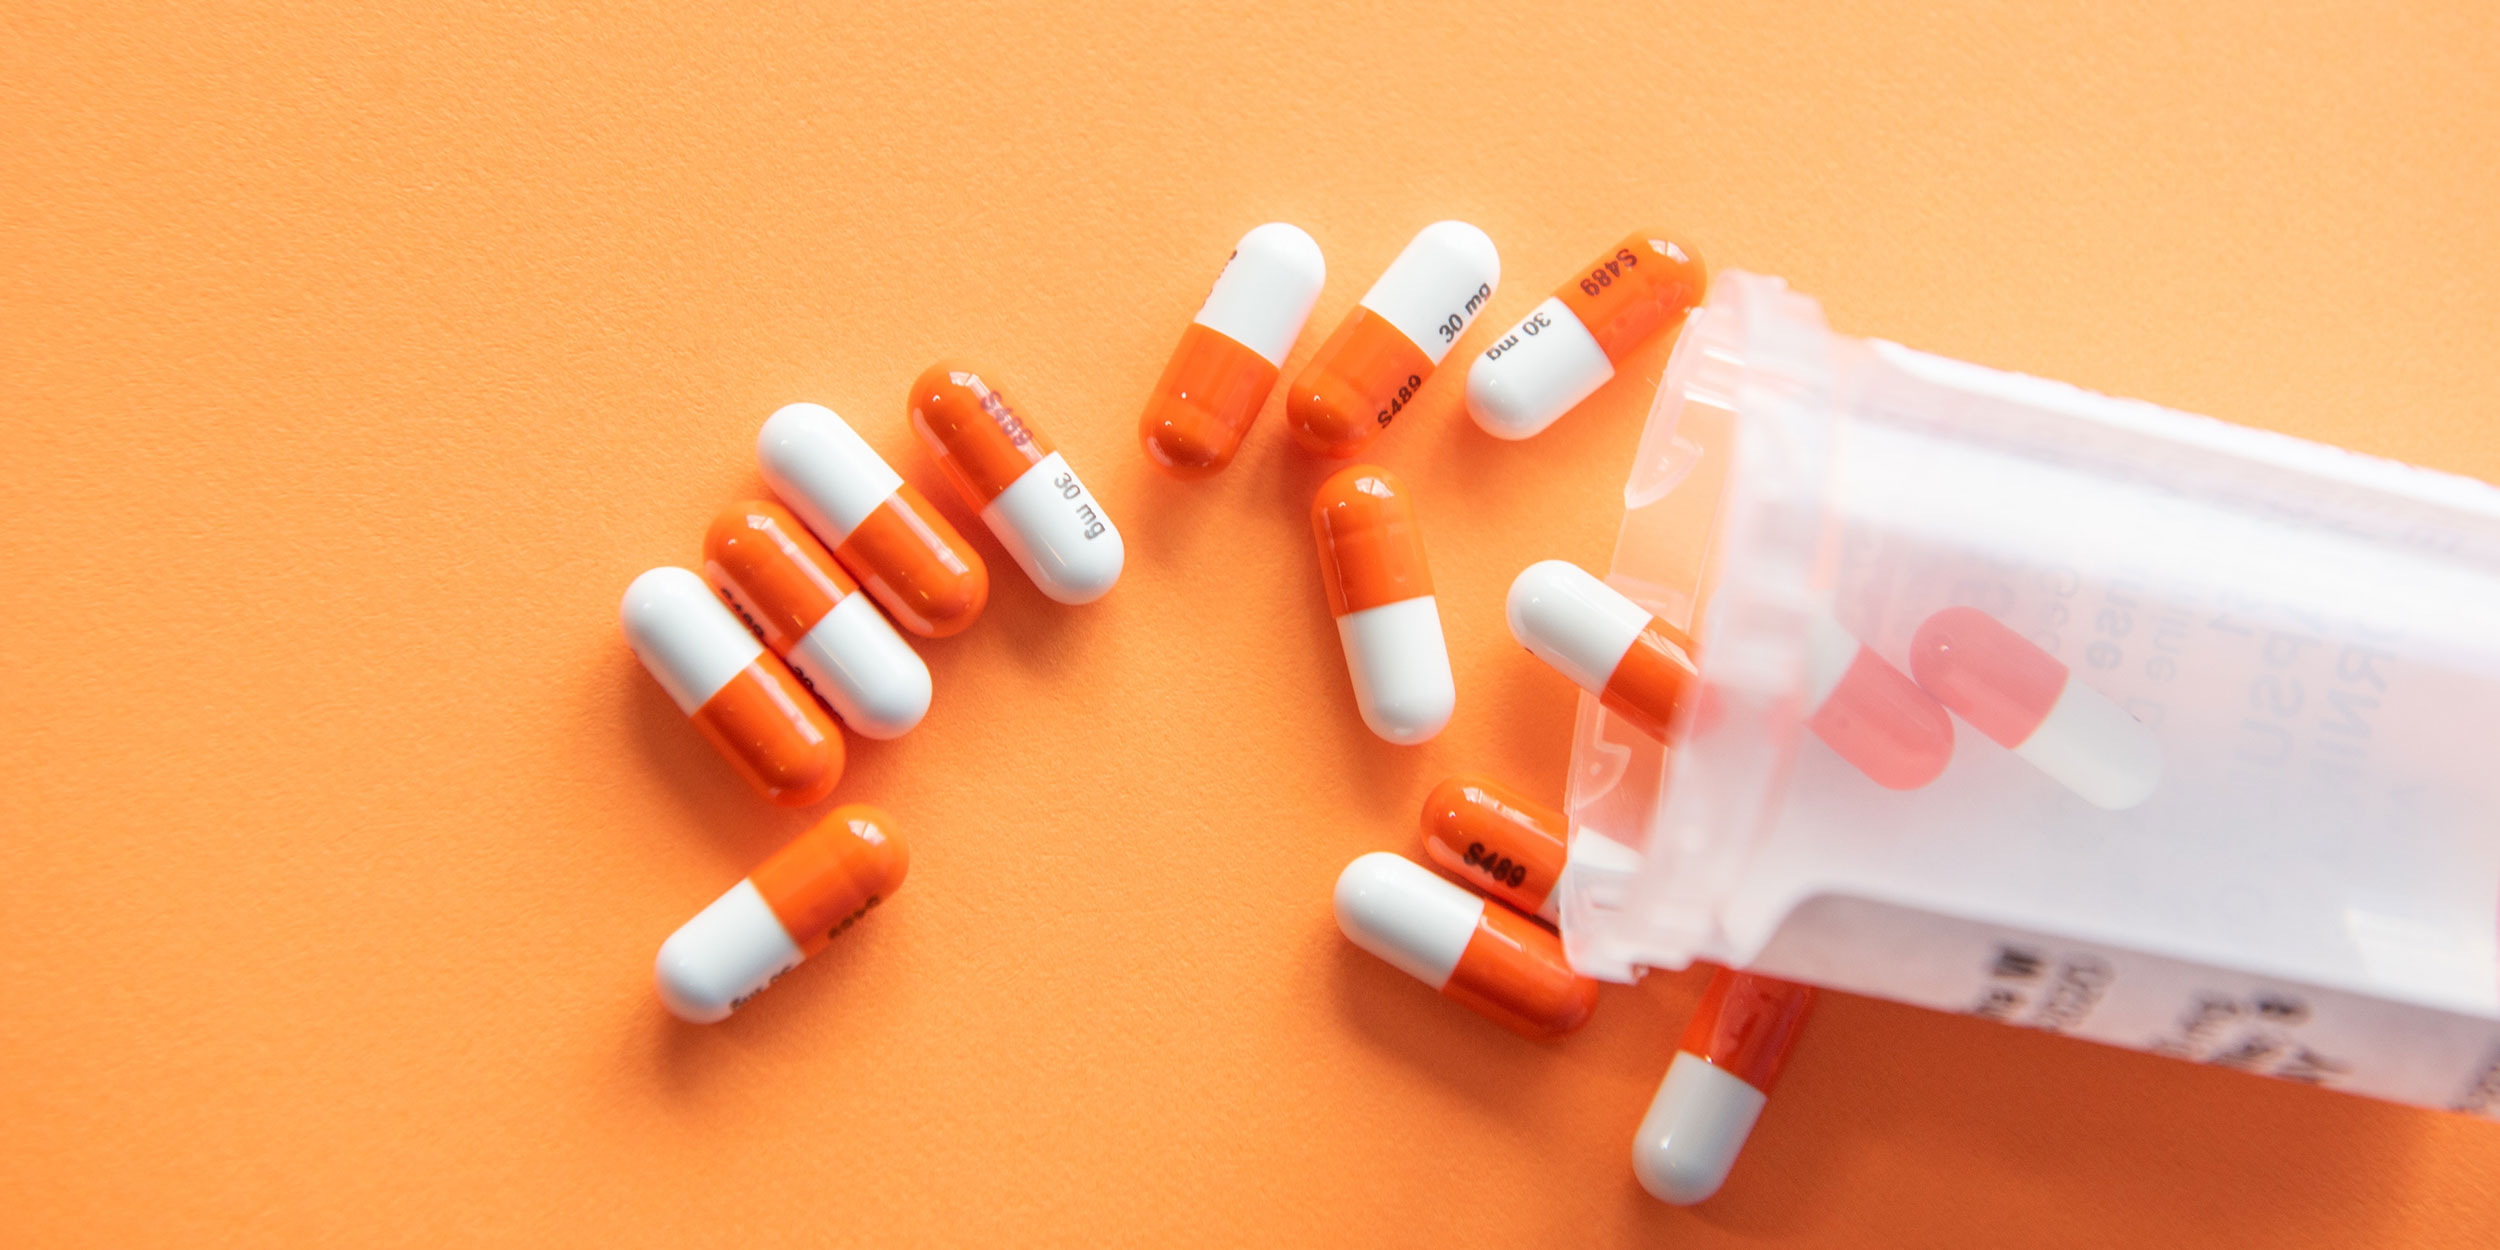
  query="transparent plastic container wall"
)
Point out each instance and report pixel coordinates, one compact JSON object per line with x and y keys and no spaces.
{"x":2304,"y":881}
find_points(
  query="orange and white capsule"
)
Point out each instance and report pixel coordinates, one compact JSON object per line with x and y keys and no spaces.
{"x":1499,"y":963}
{"x":1371,"y":563}
{"x":1370,"y":369}
{"x":1568,"y":346}
{"x":737,"y":693}
{"x":784,"y":912}
{"x":879,"y":526}
{"x":1512,"y":847}
{"x":1640,"y":667}
{"x":791,"y":592}
{"x":2036,"y":707}
{"x":1716,"y":1088}
{"x":1870,"y":714}
{"x":1229,"y":358}
{"x":1025,"y":492}
{"x":1498,"y":840}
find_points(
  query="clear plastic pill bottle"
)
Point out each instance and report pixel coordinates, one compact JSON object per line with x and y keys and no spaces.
{"x":2310,"y":889}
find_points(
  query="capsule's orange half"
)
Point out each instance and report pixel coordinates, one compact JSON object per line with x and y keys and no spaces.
{"x":1487,"y":834}
{"x":1647,"y":281}
{"x":1361,"y":379}
{"x":773,"y":572}
{"x":979,"y":440}
{"x":780,"y":741}
{"x":1746,"y":1023}
{"x":1209,"y":396}
{"x":1371,"y":551}
{"x":915,"y":565}
{"x":831,"y":875}
{"x":1652,"y":679}
{"x":1513,"y":971}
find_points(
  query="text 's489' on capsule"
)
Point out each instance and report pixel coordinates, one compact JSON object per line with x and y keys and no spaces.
{"x":1022,"y":487}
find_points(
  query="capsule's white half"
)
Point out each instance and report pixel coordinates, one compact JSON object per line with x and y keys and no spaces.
{"x":1448,"y":270}
{"x":872,"y":679}
{"x":1058,"y":533}
{"x":1538,"y":370}
{"x":1695,"y":1128}
{"x":723,"y":956}
{"x":684,"y":636}
{"x":2092,"y":747}
{"x":823,"y":469}
{"x":1412,"y":919}
{"x":1266,"y":290}
{"x":1400,"y":665}
{"x":1566,"y":617}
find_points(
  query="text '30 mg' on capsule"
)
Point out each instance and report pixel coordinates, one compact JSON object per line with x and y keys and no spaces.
{"x":1568,"y":346}
{"x":1371,"y":565}
{"x":1499,"y":963}
{"x":737,"y":693}
{"x":1371,"y":368}
{"x":1229,"y":358}
{"x":879,"y":527}
{"x":797,"y":598}
{"x":1024,"y":490}
{"x":781,"y":914}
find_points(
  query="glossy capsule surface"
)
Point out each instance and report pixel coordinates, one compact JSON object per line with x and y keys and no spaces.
{"x":878,"y":526}
{"x":1371,"y":559}
{"x":785,"y":911}
{"x":1006,"y":470}
{"x":1718,"y":1083}
{"x":1640,"y":667}
{"x":1497,"y":962}
{"x":742,"y":699}
{"x":1371,"y":368}
{"x":1870,"y":714}
{"x":1498,"y":840}
{"x":1510,"y":847}
{"x":1229,"y":358}
{"x":2027,"y":701}
{"x":792,"y":594}
{"x":1571,"y":344}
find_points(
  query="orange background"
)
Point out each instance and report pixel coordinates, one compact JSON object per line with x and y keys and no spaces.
{"x":352,"y":364}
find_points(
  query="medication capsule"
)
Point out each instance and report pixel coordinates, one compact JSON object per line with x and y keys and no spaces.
{"x":1228,"y":360}
{"x":2032,"y":705}
{"x":791,"y":592}
{"x":1371,"y":562}
{"x":1512,"y":847}
{"x":1501,"y":964}
{"x":1870,"y":714}
{"x":1371,"y":368}
{"x":1640,"y":667}
{"x":784,"y":912}
{"x":879,"y":526}
{"x":737,"y":693}
{"x":1024,"y":491}
{"x":1722,"y":1075}
{"x":1498,"y":840}
{"x":1568,"y":346}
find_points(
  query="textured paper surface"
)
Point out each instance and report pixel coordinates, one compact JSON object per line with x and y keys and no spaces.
{"x":350,"y":364}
